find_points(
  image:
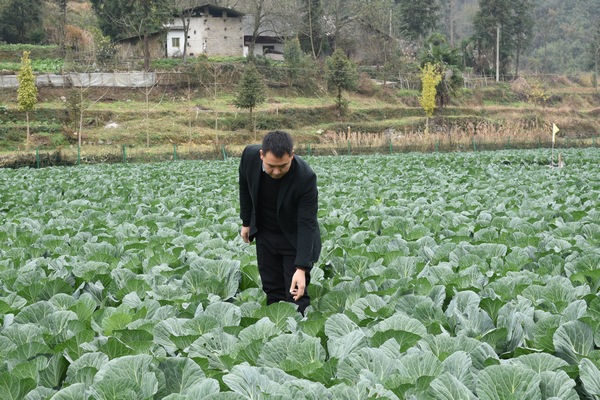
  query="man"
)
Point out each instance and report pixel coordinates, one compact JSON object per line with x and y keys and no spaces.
{"x":278,"y":207}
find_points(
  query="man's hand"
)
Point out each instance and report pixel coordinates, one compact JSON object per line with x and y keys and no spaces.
{"x":298,"y":284}
{"x":245,"y":234}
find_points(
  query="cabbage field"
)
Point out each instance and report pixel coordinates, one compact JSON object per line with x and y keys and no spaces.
{"x":443,"y":276}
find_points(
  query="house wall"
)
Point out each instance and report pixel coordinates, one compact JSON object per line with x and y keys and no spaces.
{"x":196,"y":36}
{"x":134,"y":48}
{"x":213,"y":36}
{"x":259,"y":48}
{"x":171,"y":50}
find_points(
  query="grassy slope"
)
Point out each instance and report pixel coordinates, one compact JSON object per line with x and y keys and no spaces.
{"x":176,"y":117}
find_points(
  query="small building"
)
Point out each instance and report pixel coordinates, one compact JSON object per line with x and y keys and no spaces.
{"x":133,"y":48}
{"x":268,"y":42}
{"x":212,"y":31}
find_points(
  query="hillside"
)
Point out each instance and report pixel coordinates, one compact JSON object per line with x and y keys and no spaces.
{"x":498,"y":115}
{"x":560,"y":28}
{"x":563,"y":39}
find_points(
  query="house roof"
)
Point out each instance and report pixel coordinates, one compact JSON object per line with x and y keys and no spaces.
{"x":135,"y":38}
{"x":213,"y":10}
{"x":197,"y":11}
{"x":278,"y":29}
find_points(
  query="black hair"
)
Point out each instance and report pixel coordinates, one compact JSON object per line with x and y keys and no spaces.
{"x":278,"y":143}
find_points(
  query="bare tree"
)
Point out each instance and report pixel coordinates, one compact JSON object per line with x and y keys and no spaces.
{"x":545,"y":31}
{"x":184,"y":11}
{"x":62,"y":5}
{"x":79,"y":101}
{"x":449,"y":19}
{"x":375,"y":34}
{"x":312,"y":28}
{"x":235,"y":4}
{"x":339,"y":18}
{"x":595,"y":52}
{"x":266,"y":17}
{"x":141,"y":18}
{"x":153,"y":83}
{"x":259,"y":20}
{"x":209,"y":74}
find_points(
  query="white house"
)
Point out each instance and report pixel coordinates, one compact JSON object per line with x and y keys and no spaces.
{"x":268,"y":43}
{"x":219,"y":31}
{"x":213,"y":31}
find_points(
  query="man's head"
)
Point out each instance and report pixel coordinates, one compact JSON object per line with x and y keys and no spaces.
{"x":277,"y":153}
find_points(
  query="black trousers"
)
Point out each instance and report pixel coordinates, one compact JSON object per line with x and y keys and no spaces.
{"x":275,"y":256}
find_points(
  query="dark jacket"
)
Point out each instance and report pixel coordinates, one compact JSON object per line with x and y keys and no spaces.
{"x":297,"y":204}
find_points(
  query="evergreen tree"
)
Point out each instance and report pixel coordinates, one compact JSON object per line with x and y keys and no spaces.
{"x":27,"y":91}
{"x":21,"y":21}
{"x":431,"y":76}
{"x":595,"y":54}
{"x":301,"y":69}
{"x":292,"y":54}
{"x":62,"y":5}
{"x":251,"y":90}
{"x":142,"y":18}
{"x":521,"y":26}
{"x":513,"y":18}
{"x":418,"y":17}
{"x":341,"y":74}
{"x":448,"y":61}
{"x":311,"y":35}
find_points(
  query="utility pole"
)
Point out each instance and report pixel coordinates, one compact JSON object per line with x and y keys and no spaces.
{"x":498,"y":53}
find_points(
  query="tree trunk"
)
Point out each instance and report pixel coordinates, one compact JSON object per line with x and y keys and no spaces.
{"x":251,"y":47}
{"x":517,"y":61}
{"x":80,"y":118}
{"x":596,"y":65}
{"x":62,"y":28}
{"x":147,"y":118}
{"x":186,"y":30}
{"x":28,"y":132}
{"x":311,"y":33}
{"x":545,"y":62}
{"x":452,"y":23}
{"x":146,"y":53}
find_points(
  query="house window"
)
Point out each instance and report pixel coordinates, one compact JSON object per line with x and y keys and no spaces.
{"x":175,"y":42}
{"x":268,"y":49}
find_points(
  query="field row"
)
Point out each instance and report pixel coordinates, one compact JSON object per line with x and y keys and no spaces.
{"x":454,"y":276}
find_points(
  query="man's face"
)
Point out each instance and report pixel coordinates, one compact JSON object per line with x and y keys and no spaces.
{"x":276,"y":167}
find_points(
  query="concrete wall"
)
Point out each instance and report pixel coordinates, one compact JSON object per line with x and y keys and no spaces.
{"x":259,"y":49}
{"x":173,"y":51}
{"x":89,"y":79}
{"x":224,"y":36}
{"x":213,"y":36}
{"x":134,"y":48}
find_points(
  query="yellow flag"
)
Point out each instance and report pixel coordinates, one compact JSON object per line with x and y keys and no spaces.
{"x":554,"y":130}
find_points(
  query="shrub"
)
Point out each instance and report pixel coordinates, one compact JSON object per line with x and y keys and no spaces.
{"x":365,"y":85}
